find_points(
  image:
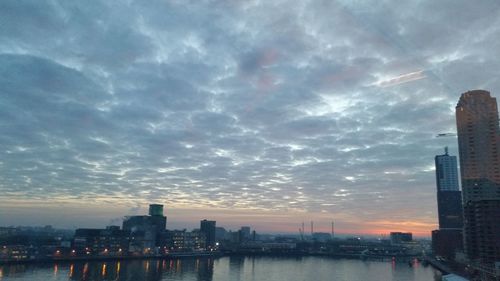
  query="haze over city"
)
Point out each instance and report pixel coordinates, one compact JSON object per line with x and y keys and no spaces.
{"x":261,"y":113}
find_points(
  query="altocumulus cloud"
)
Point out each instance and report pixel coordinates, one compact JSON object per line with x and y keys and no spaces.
{"x":317,"y":107}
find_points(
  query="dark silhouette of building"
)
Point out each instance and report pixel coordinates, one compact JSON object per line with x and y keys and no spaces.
{"x":156,"y":210}
{"x":146,"y":231}
{"x":246,"y":231}
{"x":401,"y":237}
{"x":207,"y":228}
{"x":450,"y":209}
{"x":446,"y":242}
{"x":109,"y":241}
{"x":221,"y":234}
{"x":478,"y":137}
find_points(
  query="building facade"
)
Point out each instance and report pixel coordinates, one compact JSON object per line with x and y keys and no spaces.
{"x":146,"y":231}
{"x":185,"y":241}
{"x":207,"y":228}
{"x":478,"y":142}
{"x":449,"y":197}
{"x":109,"y":241}
{"x":447,"y":242}
{"x":156,"y":210}
{"x":448,"y":239}
{"x":401,"y":237}
{"x":446,"y":172}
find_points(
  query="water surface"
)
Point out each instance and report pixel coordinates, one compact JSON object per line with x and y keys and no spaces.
{"x":223,"y":269}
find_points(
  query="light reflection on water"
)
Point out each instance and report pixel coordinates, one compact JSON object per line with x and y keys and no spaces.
{"x":222,"y":269}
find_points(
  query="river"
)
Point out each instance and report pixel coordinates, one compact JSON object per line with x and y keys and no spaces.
{"x":223,"y":269}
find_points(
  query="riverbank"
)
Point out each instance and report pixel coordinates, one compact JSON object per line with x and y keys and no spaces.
{"x":445,"y":268}
{"x":113,"y":258}
{"x":208,"y":254}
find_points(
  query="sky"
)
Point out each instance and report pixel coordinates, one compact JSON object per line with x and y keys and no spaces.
{"x":248,"y":112}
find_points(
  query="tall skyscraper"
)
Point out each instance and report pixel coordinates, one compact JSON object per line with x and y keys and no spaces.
{"x":478,"y":142}
{"x":448,"y":239}
{"x":448,"y":195}
{"x":446,"y":172}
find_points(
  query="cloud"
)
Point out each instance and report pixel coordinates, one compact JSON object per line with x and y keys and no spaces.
{"x":313,"y":108}
{"x":403,"y":78}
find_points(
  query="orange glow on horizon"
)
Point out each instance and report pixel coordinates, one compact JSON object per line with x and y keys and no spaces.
{"x":262,"y":221}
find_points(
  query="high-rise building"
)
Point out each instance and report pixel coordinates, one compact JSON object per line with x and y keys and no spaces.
{"x":448,"y":239}
{"x":448,"y":194}
{"x":478,"y":142}
{"x":447,"y":242}
{"x":208,"y":229}
{"x":446,"y":172}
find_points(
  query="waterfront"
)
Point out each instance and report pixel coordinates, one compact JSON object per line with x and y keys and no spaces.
{"x":223,"y":269}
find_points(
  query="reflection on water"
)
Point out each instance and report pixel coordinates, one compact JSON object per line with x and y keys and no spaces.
{"x":222,"y":269}
{"x":150,"y":270}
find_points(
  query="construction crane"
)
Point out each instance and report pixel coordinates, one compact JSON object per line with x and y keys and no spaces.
{"x":443,"y":135}
{"x":301,"y":231}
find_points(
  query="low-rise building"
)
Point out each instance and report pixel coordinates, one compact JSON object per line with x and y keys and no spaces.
{"x":109,"y":241}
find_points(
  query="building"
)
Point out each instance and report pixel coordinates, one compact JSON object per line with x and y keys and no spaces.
{"x":7,"y":231}
{"x":146,"y":231}
{"x":207,"y":228}
{"x":221,"y":234}
{"x":246,"y":232}
{"x":155,"y":210}
{"x":448,"y":238}
{"x":450,"y":209}
{"x":93,"y":241}
{"x":447,"y":242}
{"x":401,"y":237}
{"x":478,"y":143}
{"x":446,"y":172}
{"x":14,"y":253}
{"x":156,"y":221}
{"x":321,"y":236}
{"x":448,"y":194}
{"x":184,"y":241}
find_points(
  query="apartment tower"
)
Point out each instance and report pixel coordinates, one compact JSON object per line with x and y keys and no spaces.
{"x":478,"y":143}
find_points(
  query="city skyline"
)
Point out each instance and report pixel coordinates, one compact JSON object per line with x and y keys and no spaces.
{"x":261,"y":113}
